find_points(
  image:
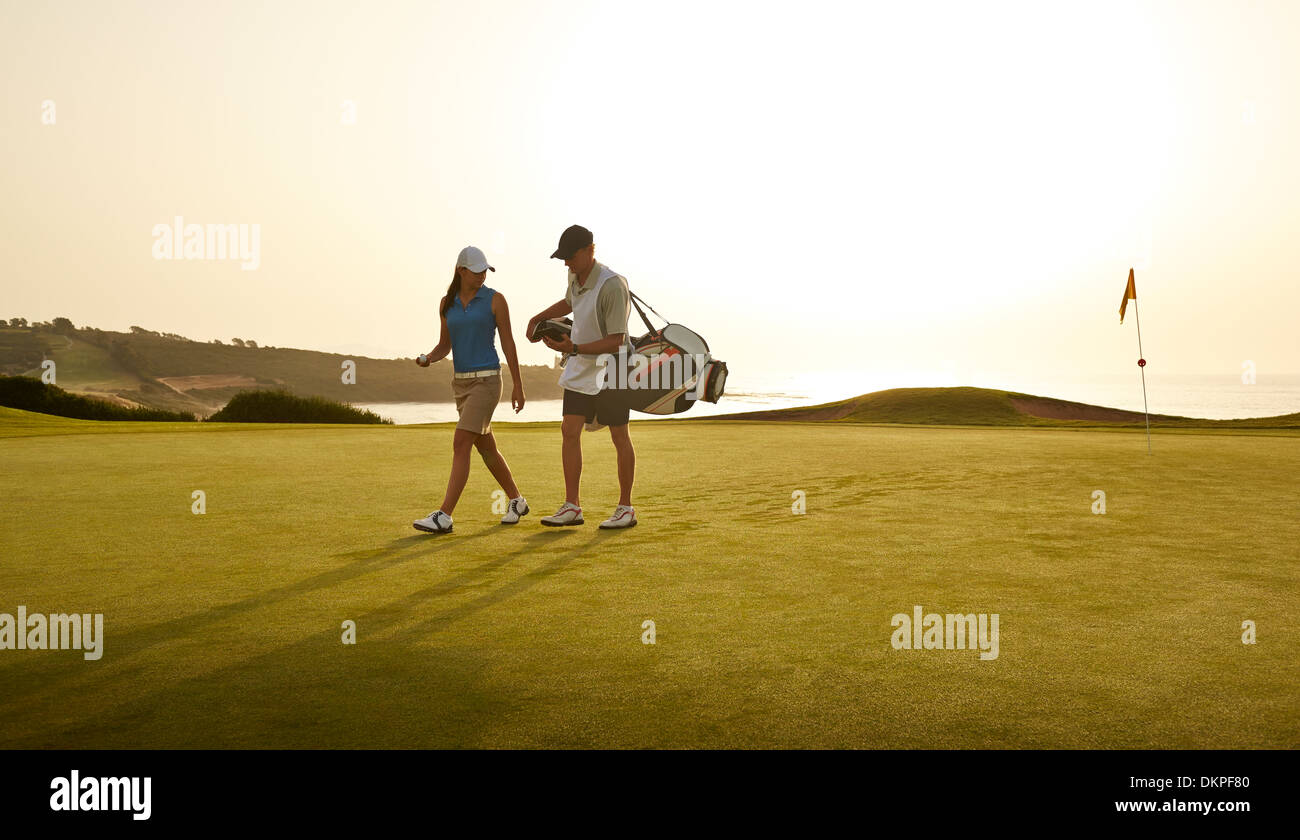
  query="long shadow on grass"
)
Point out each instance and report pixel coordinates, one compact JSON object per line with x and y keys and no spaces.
{"x":42,"y":673}
{"x":522,"y":584}
{"x":248,"y":704}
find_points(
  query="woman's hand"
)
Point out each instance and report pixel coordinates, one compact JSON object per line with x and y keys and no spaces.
{"x":422,"y":361}
{"x":517,"y":398}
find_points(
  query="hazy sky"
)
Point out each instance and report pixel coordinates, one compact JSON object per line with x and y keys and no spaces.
{"x":879,"y":187}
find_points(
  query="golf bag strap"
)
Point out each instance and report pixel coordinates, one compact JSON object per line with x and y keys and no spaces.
{"x":636,"y":301}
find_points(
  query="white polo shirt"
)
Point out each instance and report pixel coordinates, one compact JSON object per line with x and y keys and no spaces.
{"x":614,"y":300}
{"x":601,"y":304}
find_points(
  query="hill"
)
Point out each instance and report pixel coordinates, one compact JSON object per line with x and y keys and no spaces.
{"x":989,"y":407}
{"x":171,"y":372}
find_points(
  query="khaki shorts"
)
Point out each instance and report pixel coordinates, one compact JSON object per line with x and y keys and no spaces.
{"x":476,"y":399}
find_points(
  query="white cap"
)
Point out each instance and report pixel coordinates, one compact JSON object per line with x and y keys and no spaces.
{"x":473,"y":259}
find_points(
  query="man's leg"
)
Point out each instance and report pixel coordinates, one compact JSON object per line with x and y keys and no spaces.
{"x":571,"y":428}
{"x":612,"y":410}
{"x":626,"y":462}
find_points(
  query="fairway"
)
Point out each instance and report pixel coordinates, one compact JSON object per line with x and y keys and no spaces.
{"x":223,"y":630}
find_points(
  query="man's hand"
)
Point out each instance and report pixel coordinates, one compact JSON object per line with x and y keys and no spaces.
{"x":565,"y":346}
{"x":556,"y":310}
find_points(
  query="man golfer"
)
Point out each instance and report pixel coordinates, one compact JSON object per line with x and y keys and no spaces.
{"x":600,"y":303}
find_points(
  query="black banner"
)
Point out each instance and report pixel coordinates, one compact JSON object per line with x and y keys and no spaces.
{"x":139,"y":790}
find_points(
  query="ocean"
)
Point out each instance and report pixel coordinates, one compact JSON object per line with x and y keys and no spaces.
{"x":1214,"y":397}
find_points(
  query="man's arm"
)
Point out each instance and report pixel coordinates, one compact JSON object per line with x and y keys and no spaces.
{"x":614,"y":308}
{"x":556,"y":310}
{"x":609,"y":344}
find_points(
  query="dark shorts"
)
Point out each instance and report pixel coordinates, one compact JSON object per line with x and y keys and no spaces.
{"x":608,"y":407}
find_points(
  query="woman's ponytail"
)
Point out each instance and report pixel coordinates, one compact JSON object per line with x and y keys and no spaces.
{"x":452,"y":291}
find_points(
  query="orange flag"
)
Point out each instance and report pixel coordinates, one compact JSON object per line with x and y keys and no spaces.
{"x":1130,"y":293}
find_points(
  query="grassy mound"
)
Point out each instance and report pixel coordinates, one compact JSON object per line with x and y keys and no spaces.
{"x":989,"y":407}
{"x":34,"y":395}
{"x":950,"y":406}
{"x":283,"y":407}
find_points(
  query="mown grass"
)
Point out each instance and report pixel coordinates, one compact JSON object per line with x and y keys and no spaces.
{"x":223,"y":630}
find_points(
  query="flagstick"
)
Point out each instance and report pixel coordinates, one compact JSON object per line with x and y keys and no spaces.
{"x":1138,"y":319}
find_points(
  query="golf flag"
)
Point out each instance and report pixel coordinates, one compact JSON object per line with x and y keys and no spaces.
{"x":1130,"y":293}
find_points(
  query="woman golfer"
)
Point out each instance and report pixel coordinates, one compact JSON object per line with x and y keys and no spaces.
{"x":471,"y":315}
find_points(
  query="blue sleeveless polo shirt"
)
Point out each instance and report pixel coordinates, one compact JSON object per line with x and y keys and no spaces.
{"x":473,"y":332}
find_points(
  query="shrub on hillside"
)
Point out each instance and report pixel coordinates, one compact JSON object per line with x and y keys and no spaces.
{"x":280,"y":406}
{"x":31,"y":394}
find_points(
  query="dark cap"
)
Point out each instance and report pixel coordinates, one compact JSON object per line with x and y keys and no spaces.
{"x":573,"y":240}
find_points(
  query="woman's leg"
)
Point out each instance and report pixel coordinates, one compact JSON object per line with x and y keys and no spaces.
{"x":496,"y":463}
{"x":461,"y":444}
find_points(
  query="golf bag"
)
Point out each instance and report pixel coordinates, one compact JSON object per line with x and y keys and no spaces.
{"x":670,"y":368}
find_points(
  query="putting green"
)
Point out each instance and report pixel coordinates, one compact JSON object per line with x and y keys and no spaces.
{"x":772,"y":629}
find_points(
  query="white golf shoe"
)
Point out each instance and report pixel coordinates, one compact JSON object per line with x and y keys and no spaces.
{"x":518,"y":507}
{"x":624,"y":517}
{"x":568,"y":514}
{"x":435,"y":523}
